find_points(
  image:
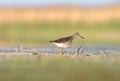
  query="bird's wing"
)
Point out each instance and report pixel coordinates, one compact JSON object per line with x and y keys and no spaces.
{"x":63,"y":40}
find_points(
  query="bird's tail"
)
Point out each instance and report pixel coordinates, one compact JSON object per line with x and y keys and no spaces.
{"x":50,"y":41}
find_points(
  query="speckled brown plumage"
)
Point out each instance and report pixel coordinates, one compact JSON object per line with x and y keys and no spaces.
{"x":63,"y":40}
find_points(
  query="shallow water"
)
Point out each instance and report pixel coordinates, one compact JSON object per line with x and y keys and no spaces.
{"x":53,"y":50}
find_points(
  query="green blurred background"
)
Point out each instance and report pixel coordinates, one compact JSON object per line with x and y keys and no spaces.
{"x":40,"y":34}
{"x":35,"y":23}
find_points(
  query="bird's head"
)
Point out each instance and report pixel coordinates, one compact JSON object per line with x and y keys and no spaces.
{"x":77,"y":34}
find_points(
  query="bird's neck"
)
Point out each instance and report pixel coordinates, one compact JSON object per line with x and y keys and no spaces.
{"x":73,"y":36}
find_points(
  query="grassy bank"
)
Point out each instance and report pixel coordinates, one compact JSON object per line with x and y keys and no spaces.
{"x":40,"y":33}
{"x":57,"y":68}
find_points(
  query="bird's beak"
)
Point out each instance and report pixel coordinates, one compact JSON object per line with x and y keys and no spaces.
{"x":81,"y":37}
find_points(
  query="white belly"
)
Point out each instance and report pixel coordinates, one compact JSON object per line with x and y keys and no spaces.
{"x":61,"y":45}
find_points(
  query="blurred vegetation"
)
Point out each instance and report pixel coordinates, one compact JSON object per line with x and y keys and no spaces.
{"x":40,"y":34}
{"x":37,"y":68}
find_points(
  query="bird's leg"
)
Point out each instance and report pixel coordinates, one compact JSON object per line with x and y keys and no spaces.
{"x":60,"y":50}
{"x":57,"y":50}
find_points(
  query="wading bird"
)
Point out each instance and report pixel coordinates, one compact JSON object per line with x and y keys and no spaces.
{"x":66,"y":41}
